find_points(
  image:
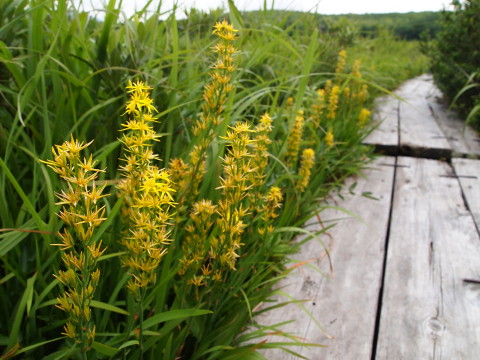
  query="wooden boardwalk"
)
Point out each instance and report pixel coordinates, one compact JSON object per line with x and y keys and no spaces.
{"x":401,"y":280}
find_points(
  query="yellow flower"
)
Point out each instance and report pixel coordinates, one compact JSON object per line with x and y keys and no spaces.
{"x":81,"y":215}
{"x":308,"y":160}
{"x":215,"y":95}
{"x":356,"y":69}
{"x":363,"y":117}
{"x":294,"y":140}
{"x":147,"y":191}
{"x":342,"y":57}
{"x":272,"y":201}
{"x":329,"y":139}
{"x":235,"y":186}
{"x":333,"y":102}
{"x":225,"y":30}
{"x":138,"y":86}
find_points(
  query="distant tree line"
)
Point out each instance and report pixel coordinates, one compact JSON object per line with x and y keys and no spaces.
{"x":408,"y":26}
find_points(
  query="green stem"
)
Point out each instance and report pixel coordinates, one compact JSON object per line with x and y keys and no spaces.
{"x":140,"y":317}
{"x":83,"y":289}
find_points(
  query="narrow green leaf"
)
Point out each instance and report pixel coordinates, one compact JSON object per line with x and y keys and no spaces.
{"x":34,"y":346}
{"x":6,"y":278}
{"x":62,"y":354}
{"x":128,"y":343}
{"x":31,"y":209}
{"x":173,"y":315}
{"x":307,"y":67}
{"x":108,"y":307}
{"x":17,"y":322}
{"x":104,"y":349}
{"x":11,"y":240}
{"x":235,"y":16}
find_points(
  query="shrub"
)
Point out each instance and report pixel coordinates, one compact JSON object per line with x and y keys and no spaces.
{"x":456,"y":56}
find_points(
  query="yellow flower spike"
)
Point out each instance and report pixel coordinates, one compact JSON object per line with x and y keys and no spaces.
{"x":259,"y":161}
{"x":235,"y":186}
{"x":356,"y":70}
{"x":342,"y":58}
{"x":215,"y":95}
{"x":308,"y":160}
{"x":294,"y":140}
{"x":363,"y":94}
{"x":333,"y":102}
{"x":328,"y":87}
{"x":329,"y":139}
{"x":147,"y":190}
{"x":318,"y":107}
{"x":80,"y":216}
{"x":364,"y":117}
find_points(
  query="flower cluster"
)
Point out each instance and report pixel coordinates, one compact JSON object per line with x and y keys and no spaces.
{"x":196,"y":244}
{"x":308,"y":160}
{"x":329,"y":138}
{"x":215,"y":95}
{"x":81,"y":214}
{"x":364,"y":117}
{"x":147,"y":192}
{"x":342,"y":58}
{"x":234,"y":184}
{"x":272,"y":201}
{"x":260,"y":158}
{"x":295,"y":139}
{"x":333,"y":102}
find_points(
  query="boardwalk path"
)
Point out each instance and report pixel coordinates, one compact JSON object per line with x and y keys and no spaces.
{"x":406,"y":272}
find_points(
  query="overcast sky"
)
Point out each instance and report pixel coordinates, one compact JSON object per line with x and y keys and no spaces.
{"x":320,"y":6}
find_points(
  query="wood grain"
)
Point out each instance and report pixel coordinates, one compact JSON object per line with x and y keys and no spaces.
{"x":468,"y":172}
{"x":431,"y":307}
{"x":385,"y":136}
{"x":463,"y":140}
{"x":420,"y":134}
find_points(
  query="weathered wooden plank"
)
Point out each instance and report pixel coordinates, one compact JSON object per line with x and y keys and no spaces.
{"x":431,"y":304}
{"x":344,"y":302}
{"x":463,"y":140}
{"x":385,"y":136}
{"x":420,"y":134}
{"x":468,"y":172}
